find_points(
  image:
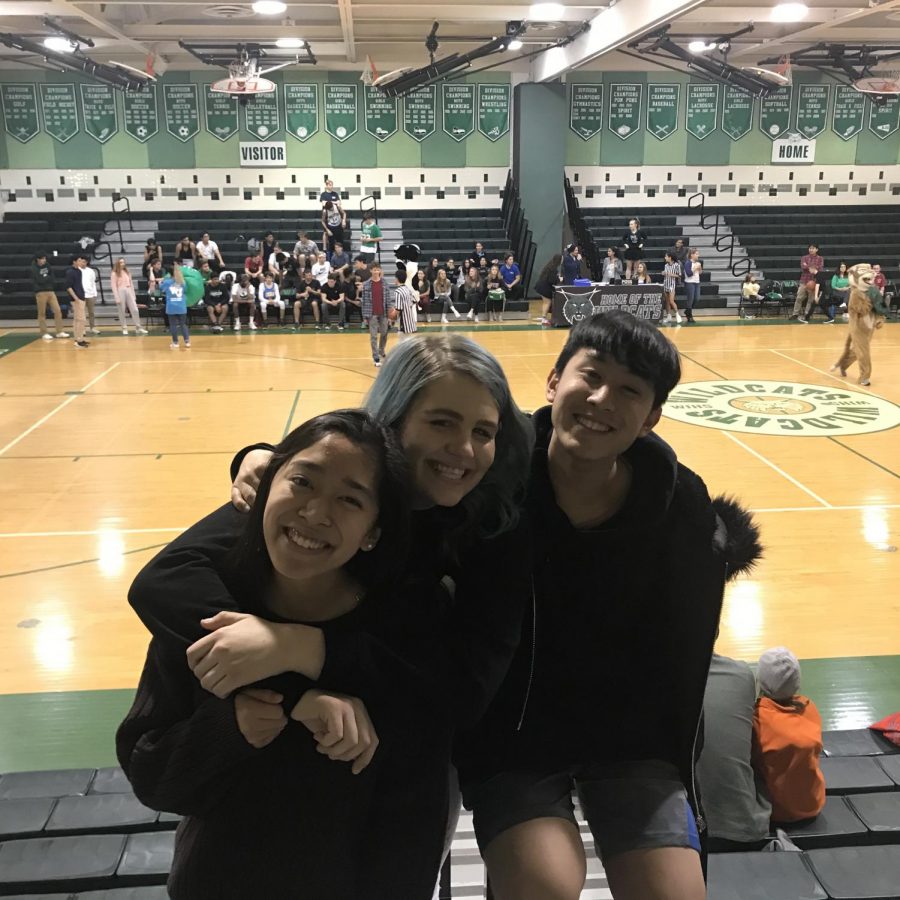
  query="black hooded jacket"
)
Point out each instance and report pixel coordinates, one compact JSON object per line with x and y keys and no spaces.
{"x":614,"y":657}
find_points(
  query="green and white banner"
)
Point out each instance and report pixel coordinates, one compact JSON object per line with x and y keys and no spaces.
{"x":701,"y":117}
{"x":341,"y":110}
{"x":20,"y":114}
{"x":586,"y":110}
{"x":737,"y":112}
{"x":60,"y":111}
{"x":182,"y":110}
{"x":884,"y":120}
{"x":141,"y":113}
{"x":458,"y":109}
{"x":625,"y":109}
{"x":775,"y":113}
{"x":493,"y":110}
{"x":261,"y":115}
{"x":220,"y":114}
{"x":419,"y":113}
{"x":382,"y":120}
{"x":848,"y":112}
{"x":662,"y":109}
{"x":98,"y":111}
{"x":812,"y":109}
{"x":301,"y":110}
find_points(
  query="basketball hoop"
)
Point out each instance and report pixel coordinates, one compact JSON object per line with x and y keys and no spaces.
{"x":243,"y":87}
{"x":885,"y":84}
{"x":777,"y":78}
{"x":369,"y":73}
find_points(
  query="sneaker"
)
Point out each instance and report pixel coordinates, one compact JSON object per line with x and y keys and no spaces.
{"x":828,"y":322}
{"x":792,"y":316}
{"x":835,"y":368}
{"x":62,"y":334}
{"x":82,"y":345}
{"x":340,"y":327}
{"x":377,"y":363}
{"x":544,"y":321}
{"x":846,"y":317}
{"x":471,"y":314}
{"x":318,"y":327}
{"x":252,"y":325}
{"x":476,"y":319}
{"x":187,"y":344}
{"x":445,"y":320}
{"x":677,"y":319}
{"x":843,"y":306}
{"x":173,"y":346}
{"x":328,"y":328}
{"x":94,"y":331}
{"x":124,"y":331}
{"x":144,"y":331}
{"x":865,"y":383}
{"x":46,"y":337}
{"x":237,"y":326}
{"x":455,"y":313}
{"x":803,"y":320}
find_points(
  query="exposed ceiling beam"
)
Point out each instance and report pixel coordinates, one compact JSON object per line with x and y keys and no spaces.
{"x":66,"y":8}
{"x":741,"y":15}
{"x":825,"y":31}
{"x":345,"y":10}
{"x":610,"y":29}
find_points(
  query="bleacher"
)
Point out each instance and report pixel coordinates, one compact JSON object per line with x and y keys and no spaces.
{"x":81,"y":833}
{"x":661,"y":226}
{"x":24,"y":234}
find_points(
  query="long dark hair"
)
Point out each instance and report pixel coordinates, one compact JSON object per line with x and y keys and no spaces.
{"x":551,"y":268}
{"x":375,"y":569}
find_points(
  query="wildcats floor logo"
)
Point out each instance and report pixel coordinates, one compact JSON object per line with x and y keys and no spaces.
{"x":780,"y":407}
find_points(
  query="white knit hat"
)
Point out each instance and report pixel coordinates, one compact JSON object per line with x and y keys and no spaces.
{"x":779,"y":673}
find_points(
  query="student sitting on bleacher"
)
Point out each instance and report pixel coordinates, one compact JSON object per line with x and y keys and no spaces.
{"x":269,"y":295}
{"x":209,"y":250}
{"x":253,"y":268}
{"x":734,"y":798}
{"x":155,"y":275}
{"x":787,"y":740}
{"x":243,"y":299}
{"x":305,"y":246}
{"x":307,"y":299}
{"x":215,"y":299}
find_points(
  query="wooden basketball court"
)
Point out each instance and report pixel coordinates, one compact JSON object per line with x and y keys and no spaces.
{"x":107,"y":454}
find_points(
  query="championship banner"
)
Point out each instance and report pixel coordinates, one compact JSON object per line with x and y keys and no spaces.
{"x":458,"y":110}
{"x":493,"y":110}
{"x":382,"y":120}
{"x":625,"y":109}
{"x":737,"y":112}
{"x":662,"y":110}
{"x":220,"y":113}
{"x":419,"y":113}
{"x":586,"y":110}
{"x":141,"y":113}
{"x":884,"y":120}
{"x":775,"y":113}
{"x":20,"y":114}
{"x":812,"y":109}
{"x":301,"y":110}
{"x":98,"y":111}
{"x":261,"y":116}
{"x":182,"y":110}
{"x":60,"y":111}
{"x":848,"y":112}
{"x":341,"y":110}
{"x":701,"y":117}
{"x":572,"y":304}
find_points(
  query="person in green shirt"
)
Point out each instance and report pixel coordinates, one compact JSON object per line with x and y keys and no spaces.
{"x":840,"y":285}
{"x":371,"y":236}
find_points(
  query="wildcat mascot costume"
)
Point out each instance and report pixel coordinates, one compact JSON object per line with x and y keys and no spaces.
{"x":866,"y":312}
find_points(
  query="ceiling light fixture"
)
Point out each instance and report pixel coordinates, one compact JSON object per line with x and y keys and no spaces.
{"x":789,"y":12}
{"x":700,"y":46}
{"x":290,"y":43}
{"x":269,"y":7}
{"x":514,"y":44}
{"x":60,"y":44}
{"x":545,"y":12}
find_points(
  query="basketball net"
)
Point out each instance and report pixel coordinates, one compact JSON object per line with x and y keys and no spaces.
{"x":784,"y":68}
{"x":884,"y":83}
{"x":369,"y":73}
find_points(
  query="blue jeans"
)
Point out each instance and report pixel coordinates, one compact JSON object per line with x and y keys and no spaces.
{"x":178,"y":324}
{"x":691,"y":294}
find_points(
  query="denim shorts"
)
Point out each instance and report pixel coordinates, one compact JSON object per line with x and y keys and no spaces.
{"x":628,"y":806}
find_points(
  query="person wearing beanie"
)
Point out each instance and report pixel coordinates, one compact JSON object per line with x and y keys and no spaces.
{"x":787,"y":740}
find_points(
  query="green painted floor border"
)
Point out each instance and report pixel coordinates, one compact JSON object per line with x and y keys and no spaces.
{"x":9,"y":343}
{"x":74,"y":729}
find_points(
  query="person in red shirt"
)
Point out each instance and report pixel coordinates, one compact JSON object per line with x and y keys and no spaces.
{"x":807,"y":293}
{"x":787,"y":740}
{"x":879,"y":280}
{"x":253,"y":267}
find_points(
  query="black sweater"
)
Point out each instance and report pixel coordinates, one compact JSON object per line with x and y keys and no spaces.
{"x":42,"y":277}
{"x":421,"y":660}
{"x":624,"y":623}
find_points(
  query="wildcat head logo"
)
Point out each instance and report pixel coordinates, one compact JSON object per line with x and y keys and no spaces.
{"x":780,"y":408}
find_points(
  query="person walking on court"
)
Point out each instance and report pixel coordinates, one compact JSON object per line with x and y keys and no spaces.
{"x":377,"y":302}
{"x":89,"y":280}
{"x":75,"y":290}
{"x":44,"y":296}
{"x":172,"y":289}
{"x":671,"y":276}
{"x":122,"y":287}
{"x":406,"y":301}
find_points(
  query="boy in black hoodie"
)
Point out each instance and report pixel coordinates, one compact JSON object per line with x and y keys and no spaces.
{"x":605,"y":693}
{"x":45,"y":295}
